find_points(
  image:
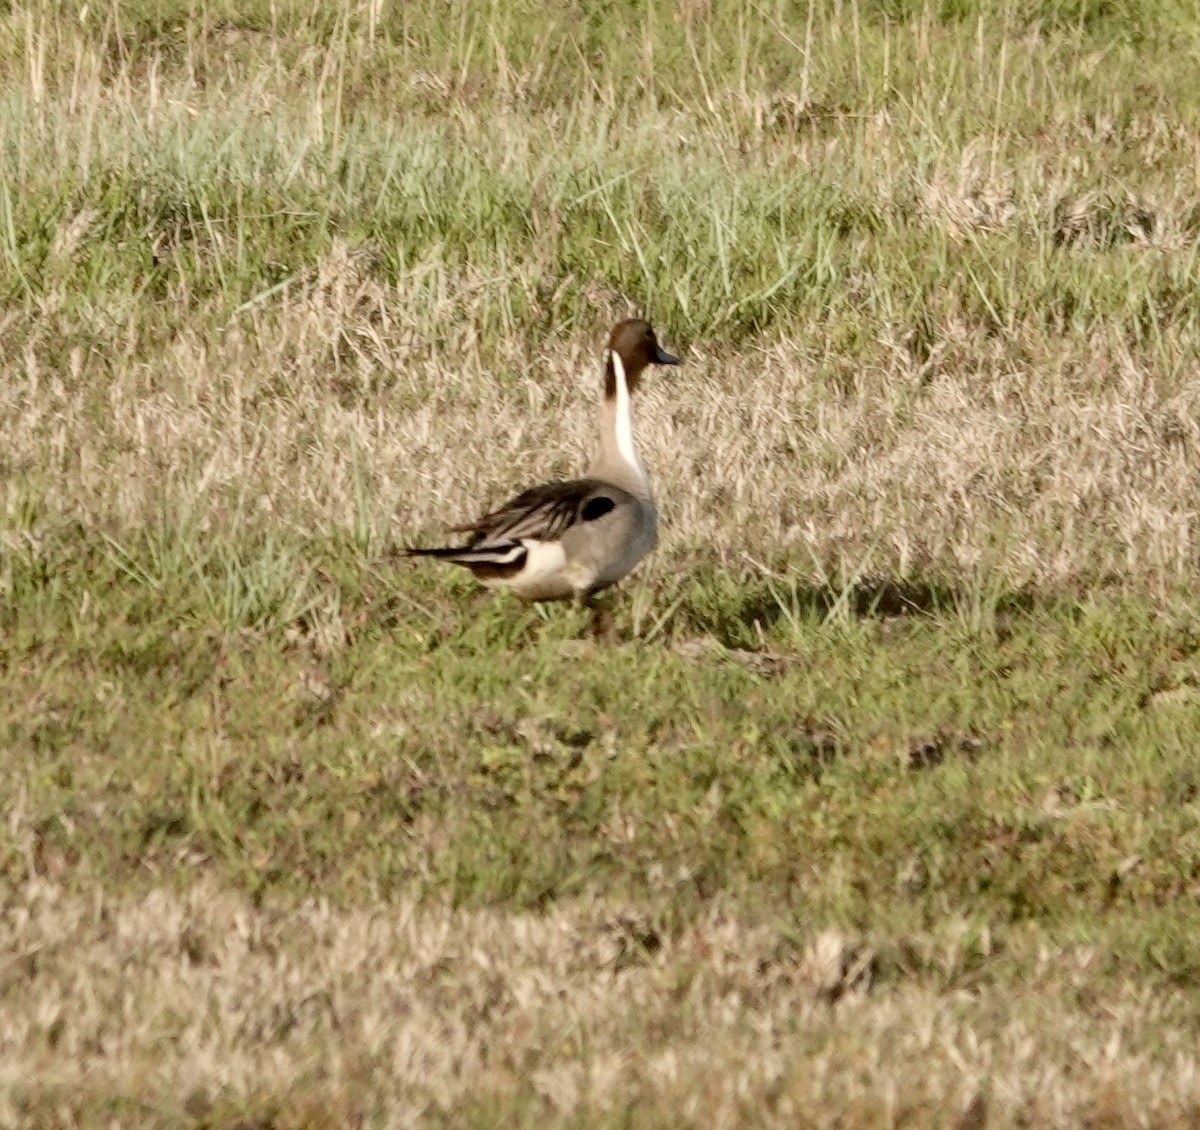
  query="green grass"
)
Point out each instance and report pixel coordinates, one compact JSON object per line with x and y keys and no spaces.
{"x":878,"y":804}
{"x":1008,"y":752}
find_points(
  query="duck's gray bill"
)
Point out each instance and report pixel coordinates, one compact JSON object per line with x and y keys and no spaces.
{"x":662,"y":357}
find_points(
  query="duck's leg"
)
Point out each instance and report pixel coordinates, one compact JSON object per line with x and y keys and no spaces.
{"x":600,"y":624}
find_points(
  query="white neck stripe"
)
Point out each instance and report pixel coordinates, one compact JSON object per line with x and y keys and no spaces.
{"x":624,"y":420}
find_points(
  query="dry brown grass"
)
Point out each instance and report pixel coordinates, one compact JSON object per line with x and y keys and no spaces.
{"x":199,"y":1007}
{"x":1041,"y":460}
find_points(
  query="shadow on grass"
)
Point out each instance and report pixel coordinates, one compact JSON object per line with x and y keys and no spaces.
{"x":739,"y":613}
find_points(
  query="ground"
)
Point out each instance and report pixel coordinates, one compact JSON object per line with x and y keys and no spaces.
{"x":873,"y":802}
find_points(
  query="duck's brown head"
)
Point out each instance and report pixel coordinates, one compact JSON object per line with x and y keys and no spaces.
{"x":633,"y":341}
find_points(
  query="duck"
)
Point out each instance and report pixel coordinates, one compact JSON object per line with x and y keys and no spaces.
{"x":569,"y":540}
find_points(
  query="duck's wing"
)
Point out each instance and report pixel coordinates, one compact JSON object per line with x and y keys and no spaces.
{"x":541,"y":514}
{"x":544,"y":512}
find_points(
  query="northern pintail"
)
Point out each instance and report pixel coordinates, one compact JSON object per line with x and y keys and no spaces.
{"x":572,"y":539}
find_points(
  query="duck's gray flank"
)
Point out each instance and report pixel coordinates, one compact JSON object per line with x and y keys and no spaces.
{"x":571,"y":539}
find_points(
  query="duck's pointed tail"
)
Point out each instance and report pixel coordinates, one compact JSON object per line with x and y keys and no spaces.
{"x":482,"y":560}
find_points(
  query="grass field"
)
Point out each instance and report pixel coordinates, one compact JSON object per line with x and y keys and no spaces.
{"x":878,"y":805}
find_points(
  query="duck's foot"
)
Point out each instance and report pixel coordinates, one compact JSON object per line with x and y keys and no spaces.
{"x":604,"y":625}
{"x":601,"y":624}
